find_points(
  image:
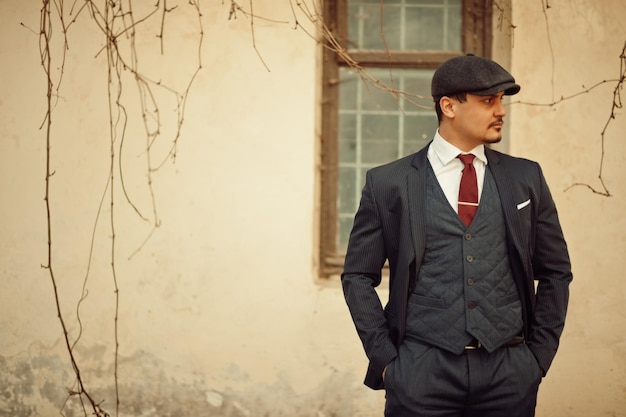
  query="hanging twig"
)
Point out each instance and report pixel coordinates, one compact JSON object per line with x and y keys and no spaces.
{"x":616,"y":104}
{"x":116,"y":21}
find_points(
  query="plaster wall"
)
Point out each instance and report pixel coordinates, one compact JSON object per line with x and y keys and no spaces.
{"x":220,"y":310}
{"x":558,"y":54}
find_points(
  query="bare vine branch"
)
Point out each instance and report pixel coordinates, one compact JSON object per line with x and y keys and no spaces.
{"x":45,"y":38}
{"x":234,"y":8}
{"x":328,"y":40}
{"x":116,"y":22}
{"x":616,"y":104}
{"x":544,"y":8}
{"x":502,"y":18}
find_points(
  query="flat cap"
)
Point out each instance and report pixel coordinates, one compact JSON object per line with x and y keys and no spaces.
{"x":474,"y":75}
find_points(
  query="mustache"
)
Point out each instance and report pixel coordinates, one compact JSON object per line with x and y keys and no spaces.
{"x":498,"y":121}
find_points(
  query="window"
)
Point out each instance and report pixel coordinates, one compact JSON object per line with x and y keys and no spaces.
{"x":399,"y":43}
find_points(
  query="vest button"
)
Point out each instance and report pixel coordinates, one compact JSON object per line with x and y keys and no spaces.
{"x":469,"y":258}
{"x":472,"y":304}
{"x":470,"y":281}
{"x":468,"y":236}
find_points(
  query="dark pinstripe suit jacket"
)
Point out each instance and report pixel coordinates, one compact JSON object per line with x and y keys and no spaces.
{"x":390,"y":225}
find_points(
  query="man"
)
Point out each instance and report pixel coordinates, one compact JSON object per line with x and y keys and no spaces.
{"x":466,"y":232}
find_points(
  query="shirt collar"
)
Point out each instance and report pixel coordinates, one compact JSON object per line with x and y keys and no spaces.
{"x":446,"y":152}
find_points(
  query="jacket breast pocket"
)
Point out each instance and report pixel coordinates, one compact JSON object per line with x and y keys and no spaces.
{"x":524,"y":212}
{"x":523,"y":204}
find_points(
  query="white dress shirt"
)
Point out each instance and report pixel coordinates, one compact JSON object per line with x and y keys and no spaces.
{"x":448,"y":168}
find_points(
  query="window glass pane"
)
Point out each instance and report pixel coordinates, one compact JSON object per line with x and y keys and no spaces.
{"x":377,"y":99}
{"x":418,"y":131}
{"x":347,"y":191}
{"x":351,"y":190}
{"x":345,"y":226}
{"x":377,"y":128}
{"x":347,"y":131}
{"x":379,"y":136}
{"x":405,"y":25}
{"x":423,"y":22}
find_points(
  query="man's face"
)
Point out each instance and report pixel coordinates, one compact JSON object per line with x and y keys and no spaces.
{"x":479,"y":120}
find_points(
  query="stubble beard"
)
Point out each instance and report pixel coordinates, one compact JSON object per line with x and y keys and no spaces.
{"x":498,"y":137}
{"x":491,"y":141}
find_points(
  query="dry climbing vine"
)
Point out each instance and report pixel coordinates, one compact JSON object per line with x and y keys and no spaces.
{"x":615,"y":105}
{"x":117,"y":22}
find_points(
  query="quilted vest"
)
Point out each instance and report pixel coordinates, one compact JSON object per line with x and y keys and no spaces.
{"x":465,"y":287}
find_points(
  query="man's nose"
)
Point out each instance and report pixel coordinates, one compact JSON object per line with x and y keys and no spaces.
{"x":500,"y":111}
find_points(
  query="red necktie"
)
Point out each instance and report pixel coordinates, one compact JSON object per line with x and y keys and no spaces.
{"x":468,"y":190}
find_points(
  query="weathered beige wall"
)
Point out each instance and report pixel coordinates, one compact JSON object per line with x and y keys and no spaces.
{"x":578,"y":47}
{"x":220,"y":311}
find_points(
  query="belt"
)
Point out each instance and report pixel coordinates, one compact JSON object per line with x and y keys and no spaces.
{"x":475,"y":344}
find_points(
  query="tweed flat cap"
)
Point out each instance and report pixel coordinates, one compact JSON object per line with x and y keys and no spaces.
{"x":474,"y":75}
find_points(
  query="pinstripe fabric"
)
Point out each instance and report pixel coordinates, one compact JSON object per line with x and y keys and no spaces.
{"x":389,"y":225}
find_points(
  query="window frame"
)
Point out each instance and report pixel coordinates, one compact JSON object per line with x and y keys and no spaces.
{"x":476,"y":38}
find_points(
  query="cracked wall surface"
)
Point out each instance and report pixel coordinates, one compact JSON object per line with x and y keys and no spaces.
{"x":41,"y":385}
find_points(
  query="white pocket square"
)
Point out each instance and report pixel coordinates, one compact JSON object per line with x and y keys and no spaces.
{"x":524,"y":204}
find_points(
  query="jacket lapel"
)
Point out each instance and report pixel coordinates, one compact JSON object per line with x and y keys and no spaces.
{"x":416,"y":191}
{"x":509,"y":206}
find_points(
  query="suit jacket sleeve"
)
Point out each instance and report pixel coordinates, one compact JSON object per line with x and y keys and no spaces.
{"x":552,"y":271}
{"x":364,"y":261}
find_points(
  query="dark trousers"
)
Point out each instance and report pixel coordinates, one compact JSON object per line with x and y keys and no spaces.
{"x":425,"y":381}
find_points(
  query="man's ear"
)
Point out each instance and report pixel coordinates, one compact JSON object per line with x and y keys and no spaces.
{"x":447,"y":106}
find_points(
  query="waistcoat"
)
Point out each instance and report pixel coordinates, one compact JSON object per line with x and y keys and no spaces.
{"x":465,"y":287}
